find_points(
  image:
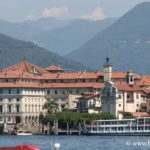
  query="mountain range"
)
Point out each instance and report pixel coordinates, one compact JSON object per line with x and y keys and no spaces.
{"x":59,"y":36}
{"x":27,"y":29}
{"x":47,"y":23}
{"x":64,"y":40}
{"x":126,"y":42}
{"x":18,"y":30}
{"x":12,"y":51}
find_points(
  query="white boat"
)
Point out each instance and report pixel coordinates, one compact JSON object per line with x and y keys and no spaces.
{"x":138,"y":126}
{"x":23,"y":132}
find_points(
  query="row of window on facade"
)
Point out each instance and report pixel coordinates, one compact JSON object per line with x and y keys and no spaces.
{"x":9,"y":91}
{"x":36,"y":91}
{"x":74,"y":81}
{"x":77,"y":91}
{"x":120,"y":96}
{"x":129,"y":96}
{"x":28,"y":108}
{"x":8,"y":119}
{"x":10,"y":109}
{"x":33,"y":108}
{"x":100,"y":79}
{"x":137,"y":105}
{"x":85,"y":103}
{"x":9,"y":100}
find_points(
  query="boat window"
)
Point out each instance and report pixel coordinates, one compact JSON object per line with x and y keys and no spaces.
{"x":120,"y":128}
{"x":127,"y":128}
{"x":141,"y":120}
{"x":102,"y":123}
{"x":147,"y":128}
{"x":134,"y":128}
{"x":114,"y":122}
{"x":94,"y":128}
{"x":114,"y":128}
{"x":120,"y":122}
{"x":107,"y":122}
{"x":140,"y":128}
{"x":107,"y":129}
{"x":100,"y":129}
{"x":147,"y":120}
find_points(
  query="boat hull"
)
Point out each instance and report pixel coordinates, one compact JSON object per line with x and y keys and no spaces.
{"x":24,"y":134}
{"x":119,"y":127}
{"x":119,"y":134}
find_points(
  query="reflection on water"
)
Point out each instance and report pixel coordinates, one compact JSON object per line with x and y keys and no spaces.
{"x":80,"y":142}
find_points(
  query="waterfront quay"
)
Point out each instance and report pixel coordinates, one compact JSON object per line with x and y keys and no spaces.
{"x":32,"y":97}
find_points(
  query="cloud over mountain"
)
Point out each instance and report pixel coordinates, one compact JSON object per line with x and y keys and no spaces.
{"x":96,"y":14}
{"x":56,"y":12}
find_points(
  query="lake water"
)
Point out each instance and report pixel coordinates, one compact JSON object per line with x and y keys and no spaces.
{"x":81,"y":142}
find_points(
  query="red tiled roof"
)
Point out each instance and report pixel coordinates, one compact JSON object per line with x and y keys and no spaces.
{"x":75,"y":85}
{"x":16,"y":74}
{"x":54,"y":68}
{"x":85,"y":75}
{"x":25,"y":66}
{"x":145,"y":81}
{"x":126,"y":87}
{"x":143,"y":94}
{"x":75,"y":75}
{"x":24,"y":69}
{"x":90,"y":95}
{"x":118,"y":75}
{"x":50,"y":85}
{"x":146,"y":91}
{"x":140,"y":114}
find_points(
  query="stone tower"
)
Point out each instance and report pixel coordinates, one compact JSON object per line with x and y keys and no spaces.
{"x":130,"y":77}
{"x":107,"y":70}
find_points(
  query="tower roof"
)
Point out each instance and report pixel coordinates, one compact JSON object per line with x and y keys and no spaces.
{"x":107,"y":63}
{"x":25,"y":66}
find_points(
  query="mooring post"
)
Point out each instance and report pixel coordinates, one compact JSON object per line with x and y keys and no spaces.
{"x":48,"y":128}
{"x":79,"y":128}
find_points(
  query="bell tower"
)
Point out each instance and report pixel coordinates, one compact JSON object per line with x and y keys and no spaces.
{"x":130,"y":77}
{"x":107,"y":70}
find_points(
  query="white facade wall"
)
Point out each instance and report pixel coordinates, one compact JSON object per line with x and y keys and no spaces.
{"x":114,"y":101}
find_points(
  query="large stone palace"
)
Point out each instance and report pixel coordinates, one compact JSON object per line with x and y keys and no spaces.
{"x":24,"y":88}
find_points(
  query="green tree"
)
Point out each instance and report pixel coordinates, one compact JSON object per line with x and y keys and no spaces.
{"x":51,"y":106}
{"x":127,"y":115}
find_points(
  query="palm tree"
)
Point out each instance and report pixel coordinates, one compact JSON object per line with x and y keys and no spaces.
{"x":51,"y":106}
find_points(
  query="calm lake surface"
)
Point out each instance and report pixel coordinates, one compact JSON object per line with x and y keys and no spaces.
{"x":81,"y":142}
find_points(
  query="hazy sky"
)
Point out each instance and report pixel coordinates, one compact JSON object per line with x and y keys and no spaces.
{"x":20,"y":10}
